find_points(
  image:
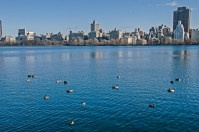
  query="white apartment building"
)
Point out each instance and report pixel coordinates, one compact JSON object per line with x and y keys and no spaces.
{"x":46,"y":36}
{"x":103,"y":32}
{"x":136,"y":33}
{"x":79,"y":34}
{"x":195,"y":34}
{"x":160,"y":34}
{"x":115,"y":34}
{"x":134,"y":39}
{"x":94,"y":26}
{"x":30,"y":36}
{"x":66,"y":38}
{"x":7,"y":39}
{"x":179,"y":32}
{"x":126,"y":40}
{"x":59,"y":37}
{"x":186,"y":36}
{"x":94,"y":34}
{"x":24,"y":35}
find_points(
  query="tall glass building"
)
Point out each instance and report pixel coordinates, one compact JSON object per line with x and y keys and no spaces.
{"x":183,"y":15}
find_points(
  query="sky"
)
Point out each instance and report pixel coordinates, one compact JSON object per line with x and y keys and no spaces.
{"x":53,"y":16}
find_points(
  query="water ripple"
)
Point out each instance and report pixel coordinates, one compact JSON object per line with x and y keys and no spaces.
{"x":91,"y":72}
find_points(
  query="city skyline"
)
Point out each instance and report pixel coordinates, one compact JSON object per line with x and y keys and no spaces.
{"x":51,"y":17}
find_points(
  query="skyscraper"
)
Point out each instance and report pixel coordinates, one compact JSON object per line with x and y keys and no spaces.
{"x":183,"y":15}
{"x":0,"y":29}
{"x":179,"y":32}
{"x":22,"y":32}
{"x":94,"y":26}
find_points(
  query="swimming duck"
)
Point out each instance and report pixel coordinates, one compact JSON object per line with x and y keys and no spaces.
{"x":118,"y":76}
{"x":115,"y":87}
{"x":72,"y":122}
{"x":152,"y":105}
{"x":33,"y":76}
{"x":170,"y":90}
{"x":58,"y":81}
{"x":172,"y":82}
{"x":84,"y":103}
{"x":69,"y":91}
{"x":65,"y":82}
{"x":178,"y":79}
{"x":46,"y":97}
{"x":28,"y":80}
{"x":29,"y":75}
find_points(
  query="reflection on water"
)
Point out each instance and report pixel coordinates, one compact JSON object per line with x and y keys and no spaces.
{"x":129,"y":54}
{"x":30,"y":51}
{"x":180,"y":63}
{"x":184,"y":54}
{"x":30,"y":59}
{"x":120,"y":54}
{"x":97,"y":55}
{"x":65,"y":56}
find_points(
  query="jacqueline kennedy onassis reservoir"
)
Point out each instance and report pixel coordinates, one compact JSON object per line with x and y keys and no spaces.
{"x":118,"y":88}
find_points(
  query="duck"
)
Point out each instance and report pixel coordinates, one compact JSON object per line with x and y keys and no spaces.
{"x":172,"y":82}
{"x":170,"y":90}
{"x":84,"y":103}
{"x":58,"y":81}
{"x":28,"y":80}
{"x":118,"y":76}
{"x":69,"y":91}
{"x":65,"y":82}
{"x":29,"y":75}
{"x":72,"y":122}
{"x":152,"y":105}
{"x":178,"y":79}
{"x":46,"y":97}
{"x":33,"y":76}
{"x":115,"y":87}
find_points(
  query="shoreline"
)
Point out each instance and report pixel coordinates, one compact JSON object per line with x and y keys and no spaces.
{"x":100,"y":45}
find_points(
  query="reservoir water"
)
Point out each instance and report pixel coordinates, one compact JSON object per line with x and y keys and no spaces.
{"x":145,"y":74}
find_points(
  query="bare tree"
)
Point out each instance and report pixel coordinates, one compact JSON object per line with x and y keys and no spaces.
{"x":88,"y":42}
{"x":80,"y":41}
{"x":188,"y":41}
{"x":95,"y":41}
{"x":122,"y":42}
{"x":112,"y":41}
{"x":176,"y":42}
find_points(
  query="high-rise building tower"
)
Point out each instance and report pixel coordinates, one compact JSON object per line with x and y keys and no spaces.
{"x":183,"y":15}
{"x":94,"y":26}
{"x":179,"y":32}
{"x":0,"y":29}
{"x":22,"y":32}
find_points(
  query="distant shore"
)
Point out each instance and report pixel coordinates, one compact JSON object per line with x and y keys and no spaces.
{"x":7,"y":45}
{"x":64,"y":43}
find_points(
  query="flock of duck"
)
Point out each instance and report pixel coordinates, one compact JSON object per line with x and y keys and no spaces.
{"x":170,"y":90}
{"x":29,"y":76}
{"x":46,"y":97}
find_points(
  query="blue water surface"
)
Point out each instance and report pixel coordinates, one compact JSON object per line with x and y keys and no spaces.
{"x":145,"y":74}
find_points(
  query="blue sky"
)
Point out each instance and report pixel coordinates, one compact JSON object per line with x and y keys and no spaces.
{"x":52,"y":16}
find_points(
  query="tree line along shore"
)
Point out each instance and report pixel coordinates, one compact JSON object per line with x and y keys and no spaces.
{"x":97,"y":42}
